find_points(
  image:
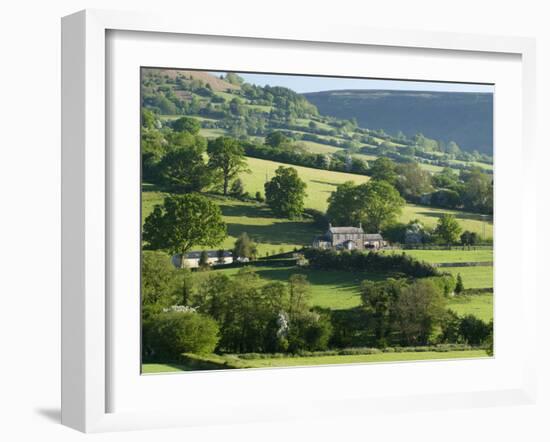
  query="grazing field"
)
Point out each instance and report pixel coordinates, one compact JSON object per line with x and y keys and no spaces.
{"x":365,"y":157}
{"x":163,"y":368}
{"x":351,"y":359}
{"x":304,"y":122}
{"x":329,"y":360}
{"x":175,"y":117}
{"x":432,"y":167}
{"x":481,"y":306}
{"x":320,"y":183}
{"x":273,"y":235}
{"x":213,"y":133}
{"x":482,"y":225}
{"x":478,"y":277}
{"x":339,"y":290}
{"x":474,"y":163}
{"x":451,"y":256}
{"x":335,"y":289}
{"x":314,"y":147}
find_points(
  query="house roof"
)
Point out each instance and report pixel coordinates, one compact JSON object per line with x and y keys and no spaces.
{"x":210,"y":253}
{"x":373,"y":237}
{"x":345,"y":230}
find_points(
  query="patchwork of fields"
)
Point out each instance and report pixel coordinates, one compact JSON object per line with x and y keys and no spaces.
{"x":477,"y":277}
{"x":320,"y":184}
{"x":454,"y":255}
{"x":337,"y":290}
{"x":481,"y":306}
{"x":248,"y":115}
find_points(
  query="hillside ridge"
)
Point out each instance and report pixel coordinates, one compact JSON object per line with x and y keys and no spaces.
{"x":463,"y":117}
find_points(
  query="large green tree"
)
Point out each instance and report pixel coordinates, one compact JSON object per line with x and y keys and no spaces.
{"x":276,"y":139}
{"x":383,"y":169}
{"x":172,"y":333}
{"x":419,"y":309}
{"x":226,"y":156}
{"x":187,"y":124}
{"x":185,"y":170}
{"x":448,"y":229}
{"x":285,"y":193}
{"x":412,"y":181}
{"x":478,"y":191}
{"x":376,"y":204}
{"x":245,"y":247}
{"x":158,"y":280}
{"x":184,"y":222}
{"x":379,"y":298}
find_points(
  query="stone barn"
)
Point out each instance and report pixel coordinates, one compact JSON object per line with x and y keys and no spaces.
{"x":349,"y":238}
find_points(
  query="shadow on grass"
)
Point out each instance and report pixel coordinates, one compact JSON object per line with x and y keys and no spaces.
{"x":340,"y":280}
{"x":249,"y":210}
{"x":149,"y":187}
{"x":290,"y":232}
{"x":328,"y":183}
{"x":459,"y":215}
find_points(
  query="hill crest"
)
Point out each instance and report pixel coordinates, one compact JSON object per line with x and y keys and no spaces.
{"x":463,"y":117}
{"x":216,"y":83}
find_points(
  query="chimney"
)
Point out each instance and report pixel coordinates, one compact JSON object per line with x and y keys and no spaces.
{"x":360,"y":225}
{"x":330,"y":225}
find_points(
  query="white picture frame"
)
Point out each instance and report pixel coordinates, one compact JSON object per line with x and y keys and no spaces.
{"x":87,"y":207}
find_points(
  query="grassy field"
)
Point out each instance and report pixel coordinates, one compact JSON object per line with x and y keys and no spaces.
{"x":353,"y":359}
{"x":162,"y":368}
{"x":431,"y":167}
{"x":320,"y":183}
{"x":468,"y":221}
{"x":212,"y":133}
{"x":339,"y":290}
{"x":454,"y":255}
{"x":330,"y":360}
{"x":481,"y":306}
{"x":175,"y":117}
{"x":365,"y":157}
{"x":314,"y":147}
{"x":474,"y":163}
{"x":336,"y":290}
{"x":304,"y":122}
{"x":479,"y":277}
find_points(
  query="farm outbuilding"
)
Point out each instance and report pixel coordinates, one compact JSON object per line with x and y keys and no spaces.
{"x":215,"y":257}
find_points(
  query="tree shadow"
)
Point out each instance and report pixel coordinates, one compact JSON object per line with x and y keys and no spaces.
{"x":150,"y":187}
{"x":245,"y":210}
{"x":291,"y":232}
{"x":460,"y":215}
{"x":328,"y":183}
{"x":339,"y":279}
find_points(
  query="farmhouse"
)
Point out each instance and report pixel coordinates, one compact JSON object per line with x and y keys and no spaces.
{"x":191,"y":259}
{"x":348,"y":238}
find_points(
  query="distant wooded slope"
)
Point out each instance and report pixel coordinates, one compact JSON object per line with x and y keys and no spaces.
{"x":466,"y":118}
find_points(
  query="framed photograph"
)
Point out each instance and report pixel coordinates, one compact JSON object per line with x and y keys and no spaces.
{"x":275,"y":223}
